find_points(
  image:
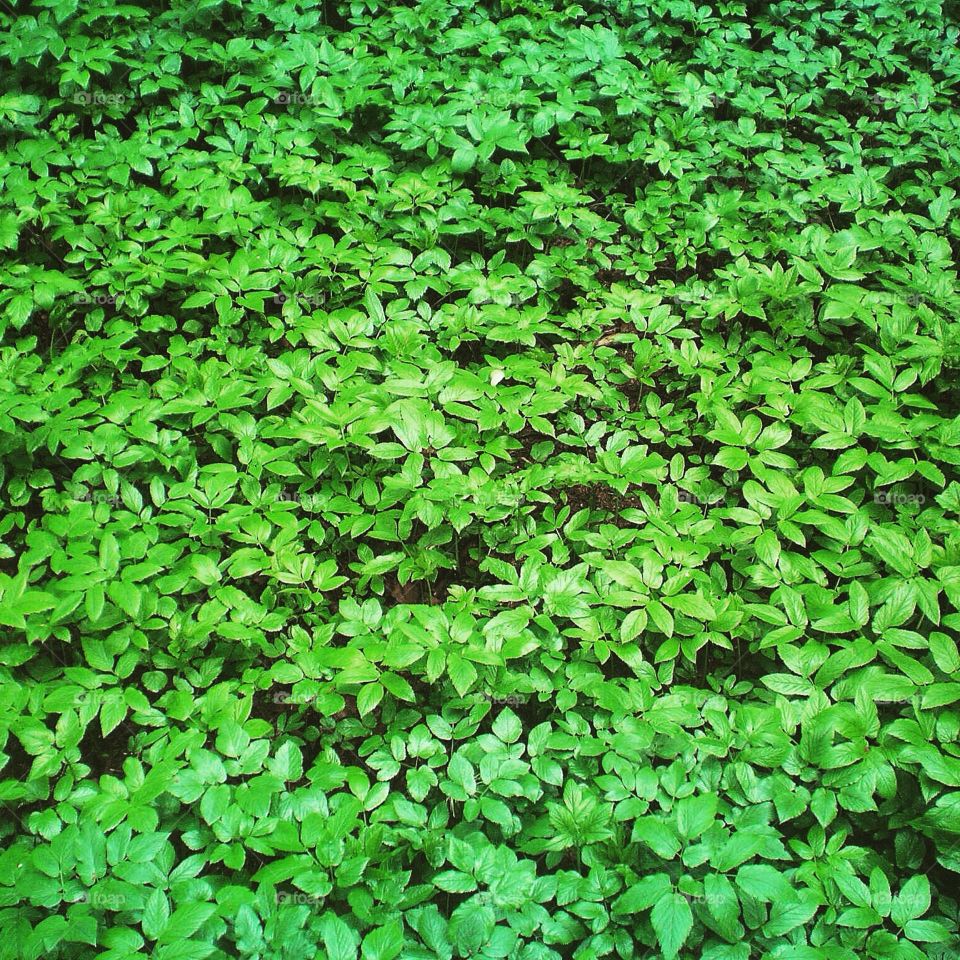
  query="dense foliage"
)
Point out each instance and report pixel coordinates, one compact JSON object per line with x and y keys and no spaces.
{"x":479,"y":481}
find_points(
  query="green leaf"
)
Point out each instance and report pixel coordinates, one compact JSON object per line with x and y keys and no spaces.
{"x":764,"y":883}
{"x":912,"y":901}
{"x":462,"y":673}
{"x":94,"y":602}
{"x":858,"y":604}
{"x":399,"y":687}
{"x":644,"y":894}
{"x":184,"y":950}
{"x":112,"y":713}
{"x":507,"y":726}
{"x":9,"y":231}
{"x":339,"y":940}
{"x":695,"y":815}
{"x":374,"y":307}
{"x":471,"y":926}
{"x":672,"y":922}
{"x":945,"y":653}
{"x":19,"y":310}
{"x":723,"y":905}
{"x":455,"y":881}
{"x":206,"y":570}
{"x":788,"y":915}
{"x":926,"y":931}
{"x":109,"y":555}
{"x":156,"y":914}
{"x":657,"y":835}
{"x":464,"y":159}
{"x":369,"y":697}
{"x":693,"y":605}
{"x":383,"y":943}
{"x":731,"y":458}
{"x":824,"y":806}
{"x":186,"y":920}
{"x":739,"y":848}
{"x":288,"y":763}
{"x":768,"y":548}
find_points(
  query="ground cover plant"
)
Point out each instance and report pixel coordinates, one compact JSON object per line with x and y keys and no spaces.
{"x":479,"y":481}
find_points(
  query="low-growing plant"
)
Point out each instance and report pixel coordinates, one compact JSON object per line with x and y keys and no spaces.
{"x":479,"y":481}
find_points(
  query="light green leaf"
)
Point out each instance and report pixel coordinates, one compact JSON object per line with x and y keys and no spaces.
{"x":369,"y":696}
{"x":672,"y":922}
{"x":383,"y":943}
{"x":339,"y":940}
{"x":156,"y":913}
